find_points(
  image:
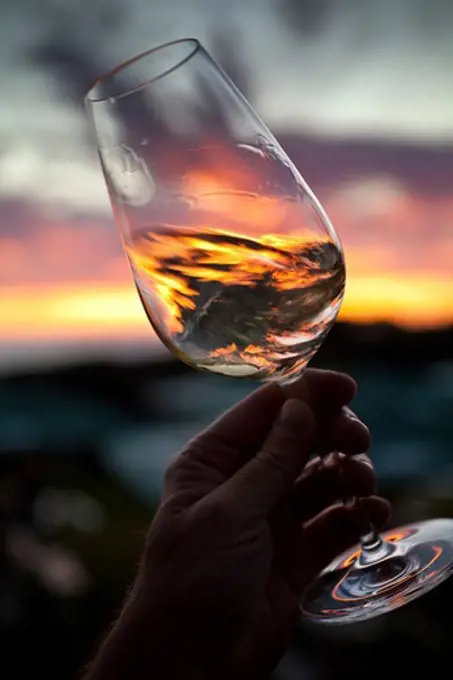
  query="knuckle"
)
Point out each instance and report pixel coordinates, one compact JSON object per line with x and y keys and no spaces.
{"x":364,"y":460}
{"x":173,"y":471}
{"x":350,"y":413}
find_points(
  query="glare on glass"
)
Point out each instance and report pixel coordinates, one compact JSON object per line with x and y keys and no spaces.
{"x":239,"y":269}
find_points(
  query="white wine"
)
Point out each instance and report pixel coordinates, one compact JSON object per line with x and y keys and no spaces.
{"x":240,"y":306}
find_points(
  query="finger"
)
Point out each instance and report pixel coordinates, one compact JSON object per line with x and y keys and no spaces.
{"x":339,"y":527}
{"x":247,"y":423}
{"x":323,"y":390}
{"x":260,"y":484}
{"x":334,"y":531}
{"x":322,"y":485}
{"x":344,"y":431}
{"x":358,"y":476}
{"x":235,"y":437}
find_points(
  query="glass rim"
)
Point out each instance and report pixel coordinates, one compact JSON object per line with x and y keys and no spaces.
{"x":195,"y":47}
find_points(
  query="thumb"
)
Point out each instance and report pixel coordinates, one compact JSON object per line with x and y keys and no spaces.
{"x":260,"y":484}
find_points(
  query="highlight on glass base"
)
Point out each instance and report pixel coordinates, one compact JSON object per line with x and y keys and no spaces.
{"x":388,"y":572}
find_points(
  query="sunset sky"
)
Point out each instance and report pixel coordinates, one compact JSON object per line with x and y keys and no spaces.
{"x":369,"y":73}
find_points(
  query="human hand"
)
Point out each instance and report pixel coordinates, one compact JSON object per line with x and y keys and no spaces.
{"x":246,"y":522}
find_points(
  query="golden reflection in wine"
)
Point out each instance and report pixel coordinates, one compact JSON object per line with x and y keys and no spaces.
{"x":238,"y":305}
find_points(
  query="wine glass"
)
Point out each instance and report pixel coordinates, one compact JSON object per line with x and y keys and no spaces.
{"x":239,"y":270}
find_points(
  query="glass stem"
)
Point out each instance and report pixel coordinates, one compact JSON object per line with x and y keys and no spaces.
{"x":373,"y":548}
{"x":371,"y":540}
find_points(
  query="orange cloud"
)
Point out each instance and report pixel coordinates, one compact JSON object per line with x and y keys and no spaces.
{"x":97,"y":312}
{"x":71,"y":311}
{"x":70,"y":280}
{"x":414,"y":301}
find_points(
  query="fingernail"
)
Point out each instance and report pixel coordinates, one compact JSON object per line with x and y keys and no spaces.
{"x":350,"y":414}
{"x":334,"y":459}
{"x":364,"y":459}
{"x":350,"y":503}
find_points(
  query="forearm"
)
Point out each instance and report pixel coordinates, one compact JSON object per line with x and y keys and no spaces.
{"x":143,"y":646}
{"x":121,"y":658}
{"x":148,"y":642}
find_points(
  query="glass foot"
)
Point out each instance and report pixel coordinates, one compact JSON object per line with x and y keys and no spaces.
{"x":351,"y":589}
